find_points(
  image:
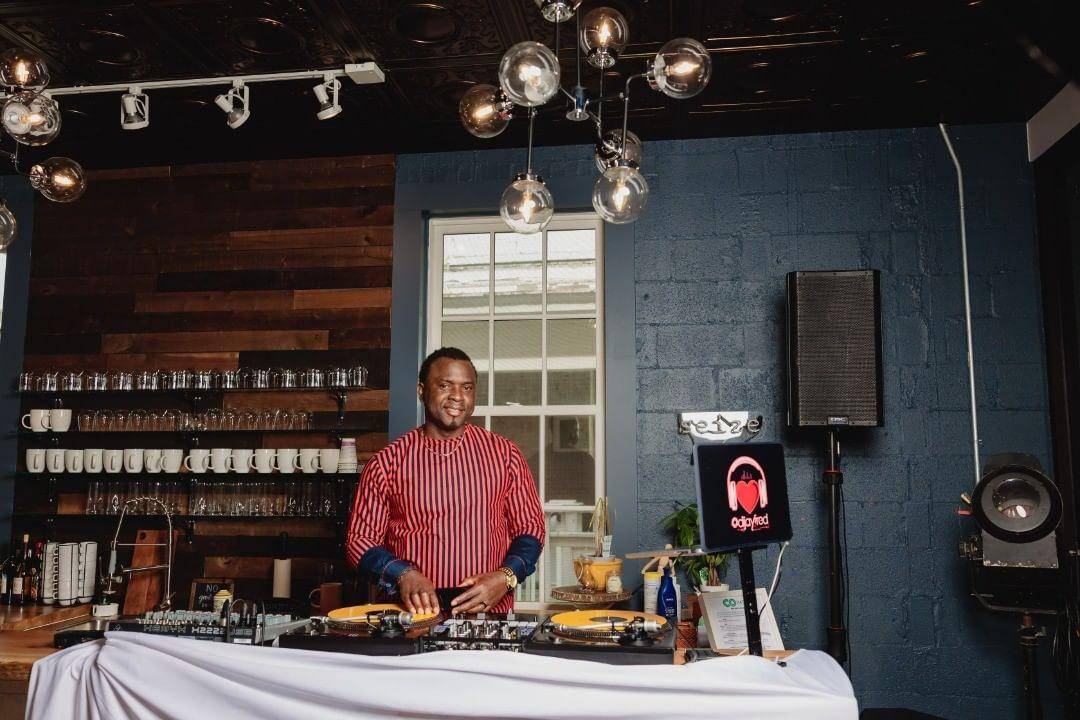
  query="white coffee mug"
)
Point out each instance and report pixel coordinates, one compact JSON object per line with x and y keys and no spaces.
{"x":263,"y":460}
{"x":60,"y":420}
{"x":152,"y":460}
{"x":36,"y":420}
{"x":308,"y":460}
{"x":35,"y":460}
{"x":286,"y":460}
{"x":113,"y":461}
{"x":54,"y":460}
{"x":219,"y":459}
{"x":92,"y":459}
{"x":328,"y":460}
{"x":241,"y":460}
{"x":73,"y":461}
{"x":133,"y":460}
{"x":198,"y":460}
{"x":171,"y":460}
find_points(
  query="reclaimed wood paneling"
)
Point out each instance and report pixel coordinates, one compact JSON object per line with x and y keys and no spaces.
{"x":219,"y":266}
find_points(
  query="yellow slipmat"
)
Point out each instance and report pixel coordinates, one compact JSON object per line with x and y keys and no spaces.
{"x":366,"y":617}
{"x":601,"y":623}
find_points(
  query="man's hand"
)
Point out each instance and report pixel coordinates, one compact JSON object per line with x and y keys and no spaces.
{"x":484,"y":591}
{"x":417,"y":592}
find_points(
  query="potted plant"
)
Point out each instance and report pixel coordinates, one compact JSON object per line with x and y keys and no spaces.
{"x":703,"y":572}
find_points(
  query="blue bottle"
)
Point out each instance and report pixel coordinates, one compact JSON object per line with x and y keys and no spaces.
{"x":667,"y":602}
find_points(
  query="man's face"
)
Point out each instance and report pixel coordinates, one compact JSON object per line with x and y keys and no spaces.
{"x":449,"y":394}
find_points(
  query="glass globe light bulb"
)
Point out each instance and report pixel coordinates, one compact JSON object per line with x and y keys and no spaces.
{"x":60,"y":179}
{"x":529,"y":74}
{"x":30,"y":118}
{"x":681,"y":69}
{"x":527,"y":204}
{"x":484,"y":111}
{"x":607,"y":150}
{"x":604,"y":32}
{"x":620,"y":194}
{"x":22,"y":68}
{"x":557,"y":10}
{"x":8,"y":226}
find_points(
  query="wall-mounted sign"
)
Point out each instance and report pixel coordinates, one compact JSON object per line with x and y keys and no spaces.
{"x":712,"y":426}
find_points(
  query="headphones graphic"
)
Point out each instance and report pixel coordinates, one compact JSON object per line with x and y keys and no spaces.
{"x":732,"y":496}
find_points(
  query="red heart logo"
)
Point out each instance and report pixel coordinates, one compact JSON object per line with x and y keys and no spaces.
{"x":747,"y":494}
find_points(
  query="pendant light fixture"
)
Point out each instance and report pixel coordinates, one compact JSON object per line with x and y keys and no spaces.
{"x":527,"y":204}
{"x":60,"y":179}
{"x":9,"y":227}
{"x":529,"y":76}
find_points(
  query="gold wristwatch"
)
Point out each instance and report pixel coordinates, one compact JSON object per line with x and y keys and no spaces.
{"x":511,"y":578}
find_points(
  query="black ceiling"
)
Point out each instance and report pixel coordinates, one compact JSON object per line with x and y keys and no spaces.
{"x":779,"y":66}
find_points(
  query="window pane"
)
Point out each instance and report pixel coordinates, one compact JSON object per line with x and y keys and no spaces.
{"x":519,"y":273}
{"x":479,"y":421}
{"x":525,"y":433}
{"x":559,"y":554}
{"x":517,"y":362}
{"x":571,"y":271}
{"x":466,"y":274}
{"x":570,"y":459}
{"x":571,"y":362}
{"x":472,"y":337}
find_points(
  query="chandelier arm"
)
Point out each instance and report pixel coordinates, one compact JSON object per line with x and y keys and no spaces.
{"x":528,"y":158}
{"x":626,"y":113}
{"x":577,"y":48}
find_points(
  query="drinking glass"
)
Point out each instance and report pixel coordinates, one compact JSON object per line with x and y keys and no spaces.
{"x":137,"y":420}
{"x":120,"y":421}
{"x":93,"y":497}
{"x":103,"y":420}
{"x":292,"y":498}
{"x":85,"y":420}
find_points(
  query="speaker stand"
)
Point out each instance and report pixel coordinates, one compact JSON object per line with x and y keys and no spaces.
{"x":836,"y":633}
{"x":749,"y":601}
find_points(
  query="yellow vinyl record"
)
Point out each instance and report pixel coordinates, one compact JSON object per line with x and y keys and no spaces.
{"x":360,"y":613}
{"x":598,"y":619}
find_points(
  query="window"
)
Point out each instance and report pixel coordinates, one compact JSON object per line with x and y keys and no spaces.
{"x":528,"y":309}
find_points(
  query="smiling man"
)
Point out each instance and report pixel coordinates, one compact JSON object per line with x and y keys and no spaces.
{"x":447,"y":504}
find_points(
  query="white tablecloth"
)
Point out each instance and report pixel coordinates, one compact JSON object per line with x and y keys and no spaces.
{"x":129,"y":675}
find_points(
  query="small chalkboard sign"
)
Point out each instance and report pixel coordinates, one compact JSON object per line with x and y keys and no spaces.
{"x":203,"y":591}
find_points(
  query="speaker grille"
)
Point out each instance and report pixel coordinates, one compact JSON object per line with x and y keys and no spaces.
{"x":834,"y":349}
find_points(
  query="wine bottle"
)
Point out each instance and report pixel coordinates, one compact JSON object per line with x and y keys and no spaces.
{"x":18,"y":580}
{"x":36,"y":573}
{"x":5,"y":584}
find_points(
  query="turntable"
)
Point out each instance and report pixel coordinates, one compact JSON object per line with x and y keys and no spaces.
{"x":375,"y":629}
{"x":619,"y":637}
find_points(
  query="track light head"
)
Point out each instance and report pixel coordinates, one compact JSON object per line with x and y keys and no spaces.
{"x":236,"y":104}
{"x":327,"y":95}
{"x":134,"y":109}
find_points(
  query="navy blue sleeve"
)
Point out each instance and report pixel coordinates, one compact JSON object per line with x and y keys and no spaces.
{"x":522,"y":555}
{"x":381,"y":566}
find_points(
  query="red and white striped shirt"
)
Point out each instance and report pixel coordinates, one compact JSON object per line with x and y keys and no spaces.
{"x":450,"y":507}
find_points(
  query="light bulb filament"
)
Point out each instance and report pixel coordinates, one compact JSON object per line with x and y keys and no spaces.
{"x":603,"y":34}
{"x":528,"y":208}
{"x":483,"y":112}
{"x":620,"y":196}
{"x":683,"y":67}
{"x":62,"y":179}
{"x":22,"y":72}
{"x":530,"y":74}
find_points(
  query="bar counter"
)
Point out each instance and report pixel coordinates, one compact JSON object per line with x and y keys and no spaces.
{"x":26,"y":636}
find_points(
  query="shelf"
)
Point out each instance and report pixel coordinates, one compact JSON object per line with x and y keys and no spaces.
{"x":30,"y":434}
{"x":188,"y":392}
{"x":176,"y":518}
{"x":200,"y":477}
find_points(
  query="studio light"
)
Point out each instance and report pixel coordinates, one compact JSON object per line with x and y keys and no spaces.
{"x":31,"y":118}
{"x":134,"y":109}
{"x":8,"y":226}
{"x":485,"y":111}
{"x":21,"y":68}
{"x":327,"y":95}
{"x":236,"y":104}
{"x":59,"y":179}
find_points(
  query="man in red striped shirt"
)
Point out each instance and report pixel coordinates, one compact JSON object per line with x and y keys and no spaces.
{"x":447,"y":504}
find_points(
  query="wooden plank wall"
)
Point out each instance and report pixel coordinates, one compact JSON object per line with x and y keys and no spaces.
{"x":260,"y":264}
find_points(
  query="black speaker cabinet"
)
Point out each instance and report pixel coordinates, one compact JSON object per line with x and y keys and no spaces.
{"x":834,"y":349}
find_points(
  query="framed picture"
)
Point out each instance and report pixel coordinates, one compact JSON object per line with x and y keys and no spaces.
{"x":203,"y":591}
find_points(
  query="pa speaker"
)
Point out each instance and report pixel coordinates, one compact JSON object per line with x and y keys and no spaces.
{"x":834,"y":349}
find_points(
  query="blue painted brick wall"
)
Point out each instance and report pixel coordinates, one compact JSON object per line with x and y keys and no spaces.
{"x":727,"y":219}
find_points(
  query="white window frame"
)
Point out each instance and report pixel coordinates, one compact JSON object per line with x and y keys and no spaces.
{"x":437,"y":228}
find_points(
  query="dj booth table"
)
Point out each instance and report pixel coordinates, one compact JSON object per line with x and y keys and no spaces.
{"x":135,"y":675}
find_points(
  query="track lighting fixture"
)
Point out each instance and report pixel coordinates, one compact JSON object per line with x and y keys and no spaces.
{"x":134,"y":109}
{"x":236,"y":104}
{"x":327,"y":95}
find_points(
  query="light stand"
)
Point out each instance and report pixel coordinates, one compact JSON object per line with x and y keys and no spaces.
{"x":1029,"y":636}
{"x":836,"y":633}
{"x":749,"y":597}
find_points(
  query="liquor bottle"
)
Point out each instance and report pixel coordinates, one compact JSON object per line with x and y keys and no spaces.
{"x":18,"y":580}
{"x":667,"y":601}
{"x":5,"y":581}
{"x":34,"y":579}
